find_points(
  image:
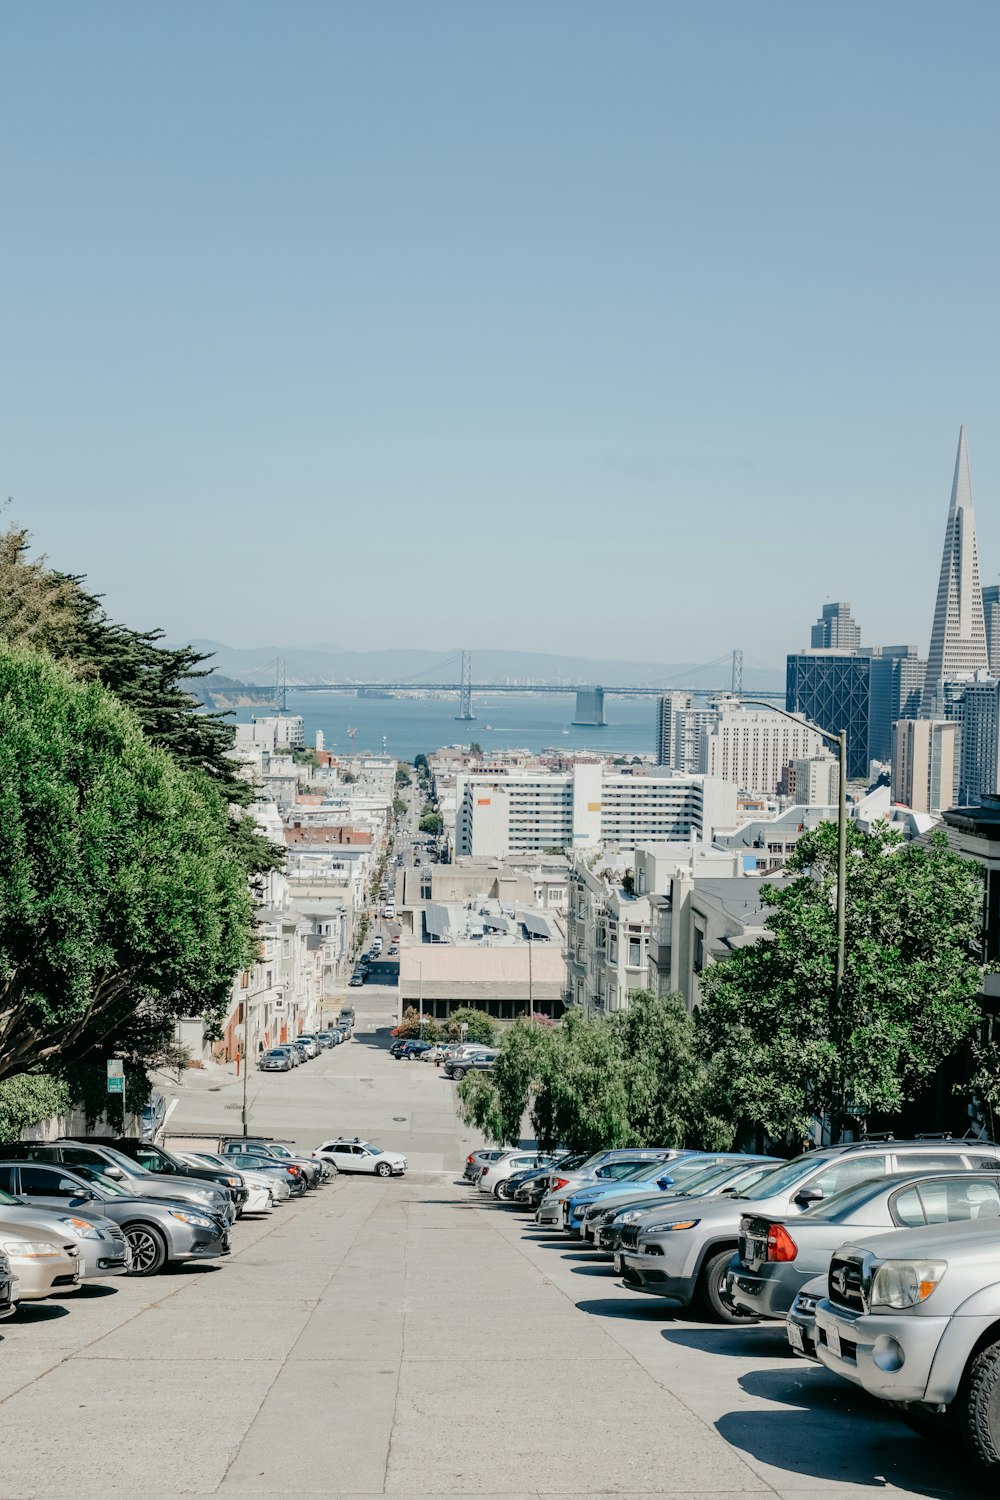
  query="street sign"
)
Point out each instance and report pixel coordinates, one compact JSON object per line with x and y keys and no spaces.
{"x":116,"y":1068}
{"x":116,"y":1085}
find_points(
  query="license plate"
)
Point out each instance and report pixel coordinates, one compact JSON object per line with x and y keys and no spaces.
{"x":833,"y":1341}
{"x":619,"y":1262}
{"x":795,"y":1337}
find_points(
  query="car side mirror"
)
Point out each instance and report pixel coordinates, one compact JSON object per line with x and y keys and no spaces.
{"x":809,"y":1195}
{"x":664,"y":1182}
{"x":83,"y":1195}
{"x":114,"y":1172}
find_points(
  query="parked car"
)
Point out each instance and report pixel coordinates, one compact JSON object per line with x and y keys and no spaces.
{"x":307,"y":1040}
{"x":471,"y":1062}
{"x":98,"y":1243}
{"x":494,"y":1174}
{"x":356,"y":979}
{"x":601,"y":1166}
{"x":777,"y":1256}
{"x":800,"y":1320}
{"x":405,"y":1050}
{"x":301,"y":1049}
{"x":684,"y":1256}
{"x":477,"y":1160}
{"x":291,"y":1177}
{"x":157,"y":1160}
{"x":250,"y":1175}
{"x":275,"y":1060}
{"x":154,"y":1112}
{"x":650,"y":1176}
{"x":259,"y":1197}
{"x":278,"y":1151}
{"x":9,"y":1288}
{"x":612,"y":1215}
{"x":101,"y":1154}
{"x":155,"y":1231}
{"x":40,"y":1266}
{"x":530,"y":1192}
{"x":351,"y":1154}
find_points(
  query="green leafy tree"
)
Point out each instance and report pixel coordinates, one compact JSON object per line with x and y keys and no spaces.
{"x":475,"y":748}
{"x":124,"y":901}
{"x":46,"y":610}
{"x":431,"y":822}
{"x":403,"y":776}
{"x":410,"y":1026}
{"x":398,"y":806}
{"x":781,"y":1052}
{"x":479,"y":1027}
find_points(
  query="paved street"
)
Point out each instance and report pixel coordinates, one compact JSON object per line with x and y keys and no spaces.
{"x":413,"y":1338}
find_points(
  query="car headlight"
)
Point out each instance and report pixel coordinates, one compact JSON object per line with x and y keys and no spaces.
{"x":672,"y":1227}
{"x":30,"y":1249}
{"x":234,"y":1182}
{"x":81,"y":1228}
{"x":905,"y":1283}
{"x":579,"y":1210}
{"x":200,"y":1221}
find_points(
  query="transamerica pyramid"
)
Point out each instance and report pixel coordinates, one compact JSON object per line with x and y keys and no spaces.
{"x":958,"y":636}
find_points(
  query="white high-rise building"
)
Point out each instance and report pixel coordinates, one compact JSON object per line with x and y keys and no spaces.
{"x":751,"y":747}
{"x":522,"y":811}
{"x":680,"y":732}
{"x":815,"y":781}
{"x":958,"y":636}
{"x":836,"y":629}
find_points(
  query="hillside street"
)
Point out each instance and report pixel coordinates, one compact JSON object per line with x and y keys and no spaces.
{"x":410,"y":1337}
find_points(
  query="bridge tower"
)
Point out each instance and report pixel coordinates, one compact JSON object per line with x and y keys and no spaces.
{"x":737,"y":683}
{"x":465,"y":695}
{"x":280,"y":686}
{"x":590,"y":708}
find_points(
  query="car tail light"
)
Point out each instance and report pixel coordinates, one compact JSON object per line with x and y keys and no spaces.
{"x":295,"y":1171}
{"x":780,"y":1245}
{"x":470,"y":1157}
{"x":557,"y":1183}
{"x":485,"y":1172}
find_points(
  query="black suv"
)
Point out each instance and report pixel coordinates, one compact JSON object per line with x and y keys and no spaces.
{"x":155,"y":1159}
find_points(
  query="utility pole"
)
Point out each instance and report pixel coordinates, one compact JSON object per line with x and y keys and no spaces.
{"x":531,"y":992}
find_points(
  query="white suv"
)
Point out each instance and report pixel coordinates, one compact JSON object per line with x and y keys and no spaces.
{"x":355,"y":1155}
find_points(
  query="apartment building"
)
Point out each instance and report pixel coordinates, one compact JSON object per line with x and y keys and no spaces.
{"x":524,"y":811}
{"x":752,"y":746}
{"x":924,"y":763}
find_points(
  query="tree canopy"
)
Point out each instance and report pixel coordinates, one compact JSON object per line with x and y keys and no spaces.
{"x":632,"y":1078}
{"x":124,"y":895}
{"x":782,"y":1053}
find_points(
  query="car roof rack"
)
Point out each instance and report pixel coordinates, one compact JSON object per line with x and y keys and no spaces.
{"x":933,"y":1135}
{"x":874,"y":1137}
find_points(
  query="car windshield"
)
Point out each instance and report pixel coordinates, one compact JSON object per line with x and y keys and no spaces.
{"x":213,"y":1161}
{"x":127,"y":1163}
{"x":106,"y":1184}
{"x":8,"y":1197}
{"x":780,"y":1179}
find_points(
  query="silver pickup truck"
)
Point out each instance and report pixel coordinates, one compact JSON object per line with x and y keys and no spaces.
{"x":914,"y":1318}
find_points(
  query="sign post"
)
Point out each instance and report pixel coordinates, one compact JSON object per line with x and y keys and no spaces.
{"x":116,"y":1082}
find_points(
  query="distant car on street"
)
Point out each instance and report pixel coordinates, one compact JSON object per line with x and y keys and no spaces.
{"x":276,"y":1060}
{"x":355,"y":1155}
{"x":408,"y":1049}
{"x":476,"y":1062}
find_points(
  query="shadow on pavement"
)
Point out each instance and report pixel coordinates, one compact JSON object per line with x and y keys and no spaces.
{"x":38,"y":1312}
{"x":803,"y":1438}
{"x":614,"y":1307}
{"x":766,"y":1340}
{"x":85,"y":1292}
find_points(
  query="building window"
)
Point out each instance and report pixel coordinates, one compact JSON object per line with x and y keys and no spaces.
{"x":634,"y":952}
{"x":699,"y":950}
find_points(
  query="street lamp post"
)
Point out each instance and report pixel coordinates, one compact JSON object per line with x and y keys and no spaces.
{"x":840,"y":740}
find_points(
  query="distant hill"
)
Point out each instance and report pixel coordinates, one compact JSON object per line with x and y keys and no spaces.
{"x":328,"y":663}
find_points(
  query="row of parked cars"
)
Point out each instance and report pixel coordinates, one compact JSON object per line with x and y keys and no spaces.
{"x":456,"y":1058}
{"x":288,"y":1055}
{"x":84,"y":1209}
{"x":880,"y":1258}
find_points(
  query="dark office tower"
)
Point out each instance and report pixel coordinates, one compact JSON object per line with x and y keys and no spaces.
{"x":897,"y":681}
{"x":958,"y":636}
{"x":991,"y":619}
{"x":835,"y":630}
{"x":833,"y":690}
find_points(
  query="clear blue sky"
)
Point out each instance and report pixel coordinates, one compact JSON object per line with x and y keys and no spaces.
{"x":626,"y":328}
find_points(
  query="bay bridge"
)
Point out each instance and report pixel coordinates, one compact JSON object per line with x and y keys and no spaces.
{"x":589,"y":709}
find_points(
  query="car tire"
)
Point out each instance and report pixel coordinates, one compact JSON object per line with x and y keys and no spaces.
{"x":458,"y":1074}
{"x":383,"y":1169}
{"x":502,"y":1190}
{"x":979,"y":1412}
{"x":711,"y":1288}
{"x":147,"y":1249}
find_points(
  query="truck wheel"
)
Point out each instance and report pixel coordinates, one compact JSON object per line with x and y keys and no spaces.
{"x":712,"y":1289}
{"x":980,"y":1407}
